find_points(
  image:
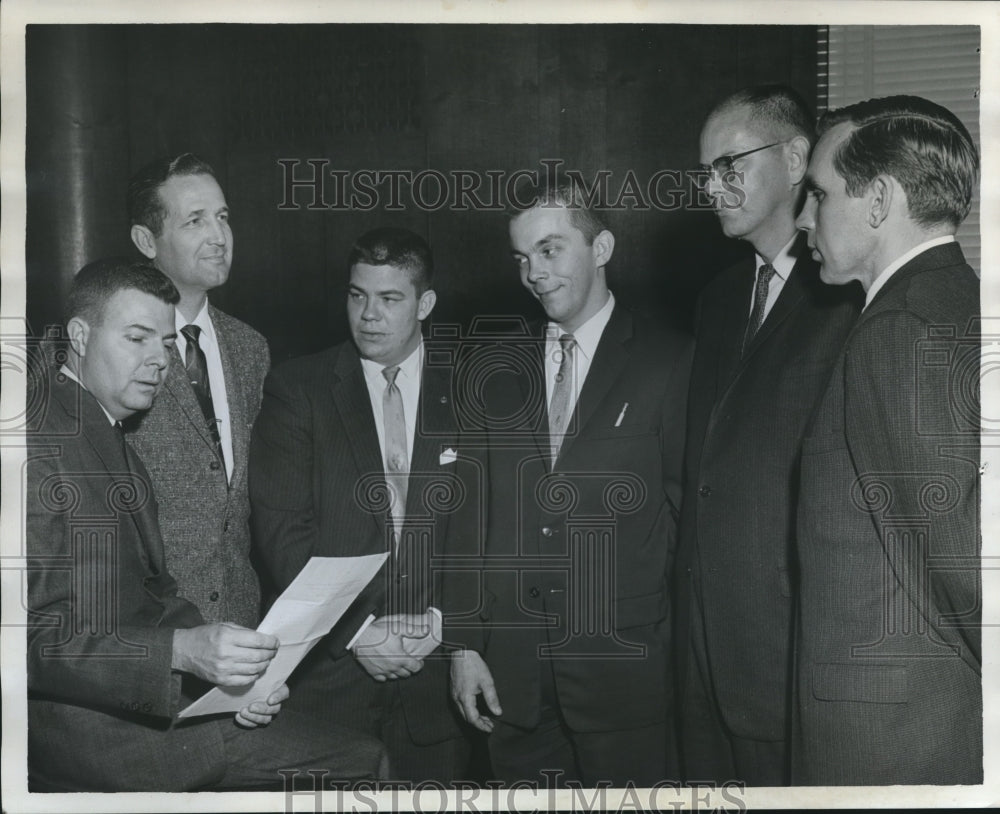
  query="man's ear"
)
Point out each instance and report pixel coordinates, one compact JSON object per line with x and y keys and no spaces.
{"x":798,"y":158}
{"x":143,"y":240}
{"x":426,"y":304}
{"x":880,"y":194}
{"x":604,"y":247}
{"x":79,"y":332}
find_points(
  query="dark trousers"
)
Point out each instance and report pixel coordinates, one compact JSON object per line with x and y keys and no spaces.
{"x":709,"y":750}
{"x":341,"y":693}
{"x":295,"y":744}
{"x":552,"y":753}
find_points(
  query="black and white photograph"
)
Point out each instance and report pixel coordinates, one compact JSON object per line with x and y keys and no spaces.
{"x":499,"y":405}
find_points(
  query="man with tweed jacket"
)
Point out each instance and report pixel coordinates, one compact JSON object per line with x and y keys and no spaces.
{"x":180,"y":221}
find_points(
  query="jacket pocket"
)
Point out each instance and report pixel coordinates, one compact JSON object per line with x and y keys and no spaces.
{"x":869,"y":684}
{"x":633,"y":611}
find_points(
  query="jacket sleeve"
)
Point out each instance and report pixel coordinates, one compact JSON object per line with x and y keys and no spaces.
{"x":78,"y":651}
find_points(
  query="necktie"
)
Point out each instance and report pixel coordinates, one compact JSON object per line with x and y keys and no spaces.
{"x":559,"y":407}
{"x":120,"y":431}
{"x":197,"y":369}
{"x":764,"y":276}
{"x":396,"y":459}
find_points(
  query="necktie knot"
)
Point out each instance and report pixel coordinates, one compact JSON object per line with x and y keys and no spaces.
{"x":566,"y":344}
{"x":390,"y":374}
{"x":191,"y":333}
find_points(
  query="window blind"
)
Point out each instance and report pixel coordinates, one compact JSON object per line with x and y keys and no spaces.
{"x":938,"y":62}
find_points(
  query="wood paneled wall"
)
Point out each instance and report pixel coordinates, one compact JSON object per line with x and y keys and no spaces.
{"x":103,"y":100}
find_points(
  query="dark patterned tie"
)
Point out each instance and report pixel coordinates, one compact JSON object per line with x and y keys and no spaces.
{"x":397,"y":464}
{"x":764,"y":276}
{"x":559,"y":407}
{"x":197,"y":369}
{"x":120,"y":432}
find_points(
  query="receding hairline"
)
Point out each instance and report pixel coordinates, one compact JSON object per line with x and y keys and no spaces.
{"x":752,"y":120}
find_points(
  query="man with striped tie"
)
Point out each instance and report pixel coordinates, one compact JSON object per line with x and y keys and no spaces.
{"x":351,"y":454}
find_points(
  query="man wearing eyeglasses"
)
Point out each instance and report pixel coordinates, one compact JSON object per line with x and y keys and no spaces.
{"x":768,"y":332}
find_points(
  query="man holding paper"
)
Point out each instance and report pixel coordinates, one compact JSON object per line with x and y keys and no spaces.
{"x":355,"y":453}
{"x":113,"y":652}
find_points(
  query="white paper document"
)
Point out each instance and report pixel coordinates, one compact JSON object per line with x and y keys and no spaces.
{"x":300,"y":617}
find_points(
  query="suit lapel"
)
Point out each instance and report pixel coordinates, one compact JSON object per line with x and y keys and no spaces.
{"x":735,"y":317}
{"x":609,"y":361}
{"x":793,"y":293}
{"x":434,"y":430}
{"x":239,"y":422}
{"x":350,"y":397}
{"x":179,"y":388}
{"x":106,"y":444}
{"x":532,"y":386}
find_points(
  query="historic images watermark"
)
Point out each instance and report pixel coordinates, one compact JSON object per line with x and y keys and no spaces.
{"x":312,"y":791}
{"x":314,"y":184}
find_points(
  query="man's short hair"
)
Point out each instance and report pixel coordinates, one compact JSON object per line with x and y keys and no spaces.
{"x":779,"y":108}
{"x":96,"y":283}
{"x":558,"y":191}
{"x":145,"y":207}
{"x":397,"y":247}
{"x":919,"y":143}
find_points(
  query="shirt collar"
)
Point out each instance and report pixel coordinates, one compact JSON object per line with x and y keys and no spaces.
{"x":784,"y":261}
{"x":409,"y":368}
{"x":588,"y":335}
{"x":69,"y":374}
{"x":899,"y":262}
{"x":202,"y":320}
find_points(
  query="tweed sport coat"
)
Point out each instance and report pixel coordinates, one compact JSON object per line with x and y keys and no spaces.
{"x":205,"y":521}
{"x":746,"y":418}
{"x":888,"y":684}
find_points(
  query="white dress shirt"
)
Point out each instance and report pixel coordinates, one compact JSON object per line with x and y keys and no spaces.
{"x":587,"y":337}
{"x":209,"y":343}
{"x":899,"y":262}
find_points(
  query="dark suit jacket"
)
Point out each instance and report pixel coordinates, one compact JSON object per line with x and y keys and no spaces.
{"x":318,"y":489}
{"x":888,"y":685}
{"x":577,"y":559}
{"x":102,"y":612}
{"x":205,"y":521}
{"x":746,"y":419}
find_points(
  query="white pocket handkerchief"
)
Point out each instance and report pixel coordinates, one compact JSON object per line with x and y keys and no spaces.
{"x":449,"y":456}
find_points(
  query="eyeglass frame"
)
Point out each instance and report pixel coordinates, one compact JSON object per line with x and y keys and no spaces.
{"x":728,"y":160}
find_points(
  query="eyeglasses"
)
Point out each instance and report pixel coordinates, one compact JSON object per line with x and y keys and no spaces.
{"x":723,"y":165}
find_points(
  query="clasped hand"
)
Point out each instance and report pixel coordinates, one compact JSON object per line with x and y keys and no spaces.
{"x":385,"y":647}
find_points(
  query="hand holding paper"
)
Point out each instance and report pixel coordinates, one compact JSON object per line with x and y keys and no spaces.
{"x":300,"y":617}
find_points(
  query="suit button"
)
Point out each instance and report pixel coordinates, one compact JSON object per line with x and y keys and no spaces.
{"x":214,"y":596}
{"x":534,"y":593}
{"x":215,"y":466}
{"x":705,"y":491}
{"x":547,"y":532}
